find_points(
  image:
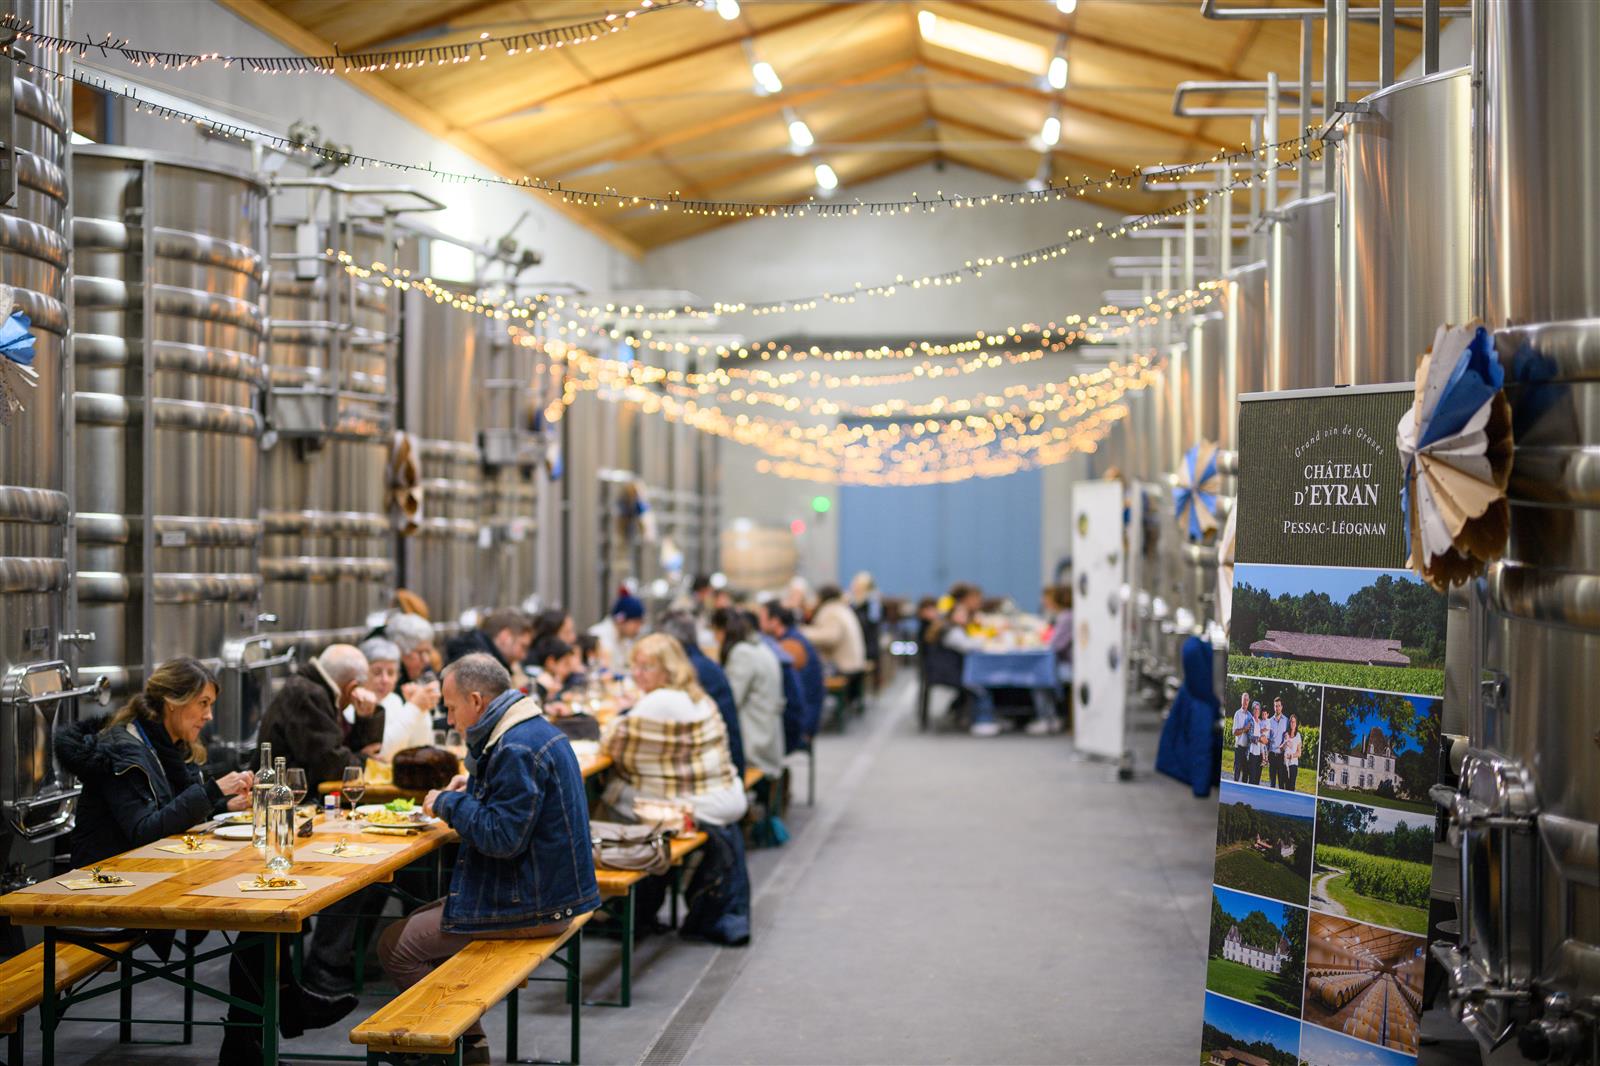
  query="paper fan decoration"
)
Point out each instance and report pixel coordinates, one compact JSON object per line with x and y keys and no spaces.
{"x":1225,"y":546}
{"x":405,"y":485}
{"x":17,"y":346}
{"x":1456,"y":445}
{"x":1195,"y":497}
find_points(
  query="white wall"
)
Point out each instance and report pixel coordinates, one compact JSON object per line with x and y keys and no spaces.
{"x":345,"y":115}
{"x":770,"y":258}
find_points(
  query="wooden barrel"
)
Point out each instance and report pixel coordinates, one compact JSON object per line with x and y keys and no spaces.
{"x":758,"y":558}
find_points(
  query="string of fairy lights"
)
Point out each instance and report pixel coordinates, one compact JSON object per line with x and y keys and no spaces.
{"x":902,"y":451}
{"x":479,"y":49}
{"x":894,"y":441}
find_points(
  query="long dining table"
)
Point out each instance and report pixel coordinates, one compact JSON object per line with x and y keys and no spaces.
{"x":168,"y":896}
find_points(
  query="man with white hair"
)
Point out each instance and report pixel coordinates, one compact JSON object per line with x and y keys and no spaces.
{"x":303,"y":723}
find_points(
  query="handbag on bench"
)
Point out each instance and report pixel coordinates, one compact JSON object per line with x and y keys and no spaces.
{"x":631,"y":847}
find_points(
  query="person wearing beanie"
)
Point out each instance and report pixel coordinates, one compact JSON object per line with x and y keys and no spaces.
{"x":617,"y":633}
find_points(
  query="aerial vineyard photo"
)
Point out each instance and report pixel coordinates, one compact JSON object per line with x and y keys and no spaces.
{"x":1358,"y":628}
{"x":1264,"y":842}
{"x":1373,"y":864}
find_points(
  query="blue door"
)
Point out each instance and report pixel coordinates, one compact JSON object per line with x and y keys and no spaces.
{"x":917,"y":540}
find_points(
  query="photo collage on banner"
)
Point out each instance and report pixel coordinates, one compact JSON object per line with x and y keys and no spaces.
{"x":1332,"y":712}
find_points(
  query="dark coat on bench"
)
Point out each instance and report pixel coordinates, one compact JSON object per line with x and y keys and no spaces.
{"x":129,"y":799}
{"x":525,"y":857}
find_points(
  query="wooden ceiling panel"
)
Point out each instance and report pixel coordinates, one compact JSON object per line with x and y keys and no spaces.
{"x":671,"y":104}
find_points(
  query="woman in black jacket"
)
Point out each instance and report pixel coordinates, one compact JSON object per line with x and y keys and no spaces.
{"x":140,"y":770}
{"x":140,"y":767}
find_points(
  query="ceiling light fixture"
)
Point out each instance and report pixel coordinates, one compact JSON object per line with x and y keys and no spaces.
{"x":827,"y":180}
{"x":728,"y":9}
{"x":984,"y":44}
{"x":1057,"y":74}
{"x":766,"y":77}
{"x":1050,"y":133}
{"x":800,"y":135}
{"x":1066,"y":7}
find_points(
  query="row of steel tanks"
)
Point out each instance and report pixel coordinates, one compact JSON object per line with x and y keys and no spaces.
{"x":38,"y":685}
{"x":203,"y":468}
{"x":1524,"y":818}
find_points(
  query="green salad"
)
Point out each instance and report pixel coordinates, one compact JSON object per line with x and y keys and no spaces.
{"x":401,"y":806}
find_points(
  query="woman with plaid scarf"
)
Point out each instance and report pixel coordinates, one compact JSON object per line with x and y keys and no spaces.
{"x":673,"y":745}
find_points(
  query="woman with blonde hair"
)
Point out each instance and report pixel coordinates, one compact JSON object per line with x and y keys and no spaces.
{"x":672,"y":745}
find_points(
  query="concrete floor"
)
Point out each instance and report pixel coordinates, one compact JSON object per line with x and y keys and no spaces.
{"x":947,"y":900}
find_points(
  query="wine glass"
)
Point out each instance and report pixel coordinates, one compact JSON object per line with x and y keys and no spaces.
{"x":297,"y":784}
{"x":353,"y":787}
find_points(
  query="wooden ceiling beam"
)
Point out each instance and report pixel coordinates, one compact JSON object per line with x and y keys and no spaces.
{"x":1074,"y":34}
{"x":428,"y":22}
{"x":1056,"y":152}
{"x":772,"y":105}
{"x":1019,"y":89}
{"x":865,"y":137}
{"x":270,"y":21}
{"x":827,"y":9}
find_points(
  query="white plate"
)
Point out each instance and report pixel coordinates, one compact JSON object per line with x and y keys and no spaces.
{"x":419,"y":821}
{"x":234,"y":832}
{"x":233,"y":817}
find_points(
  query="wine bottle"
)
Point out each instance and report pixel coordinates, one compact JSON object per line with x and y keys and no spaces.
{"x":258,"y":800}
{"x":280,"y":820}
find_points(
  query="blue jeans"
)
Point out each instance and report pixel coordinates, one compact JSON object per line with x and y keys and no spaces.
{"x":1044,"y":704}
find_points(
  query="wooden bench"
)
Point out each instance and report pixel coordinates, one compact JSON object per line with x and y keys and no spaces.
{"x":619,"y":884}
{"x":22,"y":983}
{"x":430,"y":1017}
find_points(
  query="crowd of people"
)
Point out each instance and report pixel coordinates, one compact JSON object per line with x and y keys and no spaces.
{"x":721,"y":685}
{"x":958,"y":624}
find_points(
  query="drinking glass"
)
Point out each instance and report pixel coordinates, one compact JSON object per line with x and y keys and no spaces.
{"x":353,"y":787}
{"x":297,"y":784}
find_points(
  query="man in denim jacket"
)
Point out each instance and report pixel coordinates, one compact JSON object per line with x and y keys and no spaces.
{"x":525,"y":868}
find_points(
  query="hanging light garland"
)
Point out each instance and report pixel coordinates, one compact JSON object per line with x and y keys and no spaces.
{"x":529,"y":42}
{"x":901,"y":452}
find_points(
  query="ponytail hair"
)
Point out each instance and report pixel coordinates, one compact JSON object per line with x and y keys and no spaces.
{"x":174,"y":681}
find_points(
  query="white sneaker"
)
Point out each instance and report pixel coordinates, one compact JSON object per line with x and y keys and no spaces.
{"x":985,"y":729}
{"x":1041,"y":727}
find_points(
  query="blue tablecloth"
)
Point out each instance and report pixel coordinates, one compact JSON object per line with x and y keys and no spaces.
{"x":1033,"y":668}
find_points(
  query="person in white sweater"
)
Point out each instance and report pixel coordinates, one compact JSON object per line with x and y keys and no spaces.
{"x":756,"y":678}
{"x":405,"y":723}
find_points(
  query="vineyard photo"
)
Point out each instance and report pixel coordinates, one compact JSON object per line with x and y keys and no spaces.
{"x":1357,"y":628}
{"x":1379,"y":749}
{"x":1374,"y":865}
{"x":1264,"y":842}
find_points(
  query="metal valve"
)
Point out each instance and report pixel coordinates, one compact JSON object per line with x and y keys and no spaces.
{"x":1557,"y":1037}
